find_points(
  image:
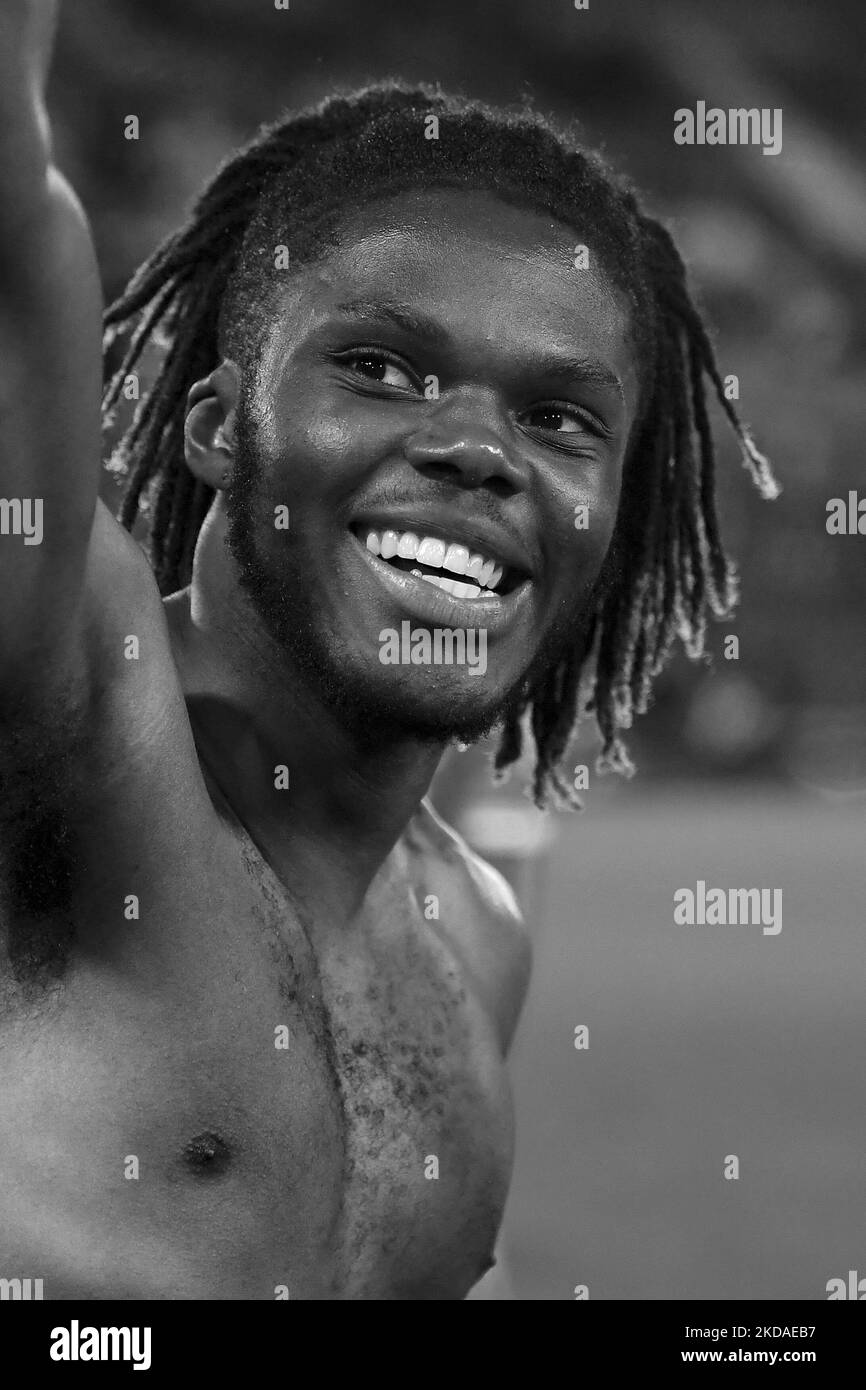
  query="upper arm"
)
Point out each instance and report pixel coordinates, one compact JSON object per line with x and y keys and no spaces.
{"x":90,"y":772}
{"x":50,"y":394}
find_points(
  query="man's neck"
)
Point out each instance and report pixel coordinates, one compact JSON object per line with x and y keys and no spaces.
{"x":324,"y":806}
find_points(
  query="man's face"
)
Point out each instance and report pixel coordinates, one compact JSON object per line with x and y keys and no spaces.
{"x":445,"y":384}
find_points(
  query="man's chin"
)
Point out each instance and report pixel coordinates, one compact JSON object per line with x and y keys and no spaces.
{"x":382,"y":703}
{"x":434,"y":706}
{"x":457,"y":715}
{"x":375,"y":709}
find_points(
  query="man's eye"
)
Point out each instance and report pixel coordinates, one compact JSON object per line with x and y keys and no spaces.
{"x":557,"y":418}
{"x":379,"y":368}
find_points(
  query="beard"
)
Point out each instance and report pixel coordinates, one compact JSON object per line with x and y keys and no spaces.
{"x":283,"y":600}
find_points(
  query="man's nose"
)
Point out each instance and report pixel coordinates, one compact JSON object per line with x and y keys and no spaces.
{"x":467,"y":443}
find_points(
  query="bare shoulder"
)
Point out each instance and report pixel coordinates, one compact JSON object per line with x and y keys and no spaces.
{"x":480,"y":915}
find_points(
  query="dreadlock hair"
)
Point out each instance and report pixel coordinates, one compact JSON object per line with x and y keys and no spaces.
{"x":211,"y":289}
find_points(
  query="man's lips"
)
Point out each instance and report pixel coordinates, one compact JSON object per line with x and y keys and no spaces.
{"x":432,"y":606}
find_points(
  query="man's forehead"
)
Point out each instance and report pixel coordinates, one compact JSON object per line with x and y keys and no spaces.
{"x":467,"y":263}
{"x":466,"y":271}
{"x":455,"y":247}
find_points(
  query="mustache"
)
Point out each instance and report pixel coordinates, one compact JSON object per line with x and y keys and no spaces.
{"x":484,"y":507}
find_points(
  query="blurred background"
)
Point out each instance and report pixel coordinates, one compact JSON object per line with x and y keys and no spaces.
{"x":703,"y":1042}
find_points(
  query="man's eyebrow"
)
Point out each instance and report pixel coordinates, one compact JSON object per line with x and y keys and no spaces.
{"x":403,"y":316}
{"x":562,"y":366}
{"x":584,"y":369}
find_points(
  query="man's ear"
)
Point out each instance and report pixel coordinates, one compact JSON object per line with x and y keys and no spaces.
{"x":208,"y":436}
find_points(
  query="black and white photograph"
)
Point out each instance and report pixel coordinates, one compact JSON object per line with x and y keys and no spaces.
{"x":432,"y":666}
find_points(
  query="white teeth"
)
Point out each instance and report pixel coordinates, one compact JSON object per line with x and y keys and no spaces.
{"x":408,"y":547}
{"x":440,"y":582}
{"x":456,"y":559}
{"x":452,"y":586}
{"x":431,"y":552}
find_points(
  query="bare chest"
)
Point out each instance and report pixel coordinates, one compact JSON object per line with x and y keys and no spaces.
{"x":416,"y":1091}
{"x":426,"y":1120}
{"x":226,"y":1112}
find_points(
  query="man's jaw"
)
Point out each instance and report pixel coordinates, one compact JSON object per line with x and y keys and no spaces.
{"x":323,"y":608}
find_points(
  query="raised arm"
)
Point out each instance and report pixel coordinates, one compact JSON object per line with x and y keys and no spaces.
{"x":50,"y":379}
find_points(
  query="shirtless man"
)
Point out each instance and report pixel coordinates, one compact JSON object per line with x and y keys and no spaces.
{"x":256,"y":996}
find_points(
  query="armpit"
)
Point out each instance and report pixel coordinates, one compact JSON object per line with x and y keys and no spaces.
{"x":41,"y":785}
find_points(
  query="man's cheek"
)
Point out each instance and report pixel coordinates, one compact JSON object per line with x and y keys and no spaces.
{"x":583,"y":500}
{"x":582,"y":537}
{"x":315,"y":420}
{"x":326,"y":435}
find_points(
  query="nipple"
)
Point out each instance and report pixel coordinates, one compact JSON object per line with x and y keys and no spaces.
{"x":207,"y":1154}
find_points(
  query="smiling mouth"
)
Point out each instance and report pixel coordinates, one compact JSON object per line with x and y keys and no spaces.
{"x":448,"y":565}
